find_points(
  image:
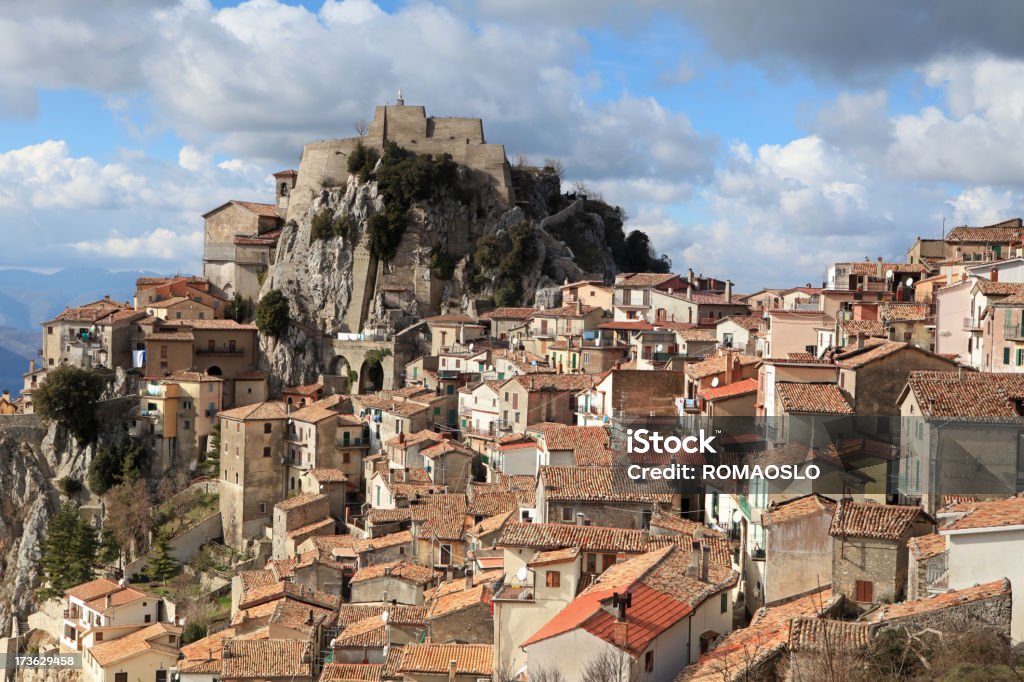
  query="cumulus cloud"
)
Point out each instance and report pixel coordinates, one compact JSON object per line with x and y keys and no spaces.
{"x":160,"y":244}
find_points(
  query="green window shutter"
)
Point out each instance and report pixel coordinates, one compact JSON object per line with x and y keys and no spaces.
{"x":1006,"y":355}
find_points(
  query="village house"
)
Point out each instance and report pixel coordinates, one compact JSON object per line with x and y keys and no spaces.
{"x":508,"y":323}
{"x":659,"y":611}
{"x":989,"y":243}
{"x":448,"y":464}
{"x":570,"y":446}
{"x":462,"y":615}
{"x":629,"y":393}
{"x":548,"y":325}
{"x":602,"y":496}
{"x":978,"y":549}
{"x":276,"y":660}
{"x":723,"y":369}
{"x":959,"y":435}
{"x":632,"y":293}
{"x":252,"y":460}
{"x":869,"y":549}
{"x":97,"y":334}
{"x":689,"y":306}
{"x":737,"y":399}
{"x":145,"y":654}
{"x":180,"y":308}
{"x":298,"y":519}
{"x":798,"y":547}
{"x":533,"y":398}
{"x":382,"y":549}
{"x":448,"y":332}
{"x":797,"y":331}
{"x":911,"y":323}
{"x":102,"y":610}
{"x":403,"y":581}
{"x":222,"y":348}
{"x":927,"y":571}
{"x":439,"y":522}
{"x":585,"y":355}
{"x":239,"y":243}
{"x":1002,"y":336}
{"x":177,"y":415}
{"x":300,"y":396}
{"x":588,"y":291}
{"x":799,"y":369}
{"x":739,"y":333}
{"x":149,"y":290}
{"x":895,"y":279}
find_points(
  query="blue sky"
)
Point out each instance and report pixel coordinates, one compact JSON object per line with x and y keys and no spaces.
{"x":750,"y":143}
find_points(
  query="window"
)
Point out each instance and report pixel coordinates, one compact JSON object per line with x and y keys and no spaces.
{"x":120,"y":677}
{"x":263,"y":507}
{"x":345,"y":458}
{"x":568,"y":514}
{"x":553,"y":578}
{"x":188,"y":425}
{"x":147,"y":618}
{"x":1020,"y":357}
{"x":236,"y":478}
{"x":446,"y":555}
{"x":161,"y":676}
{"x":267,"y":427}
{"x":723,"y":605}
{"x":865,"y":591}
{"x":266,"y":452}
{"x":49,"y":330}
{"x":99,"y":636}
{"x":649,"y":662}
{"x":1006,"y":355}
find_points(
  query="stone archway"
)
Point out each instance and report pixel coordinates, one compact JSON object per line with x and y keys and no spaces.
{"x":214,"y":371}
{"x":371,"y":377}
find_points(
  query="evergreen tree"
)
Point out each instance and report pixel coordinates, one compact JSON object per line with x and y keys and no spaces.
{"x":212,"y":463}
{"x":69,"y":552}
{"x":68,"y":395}
{"x":162,"y":566}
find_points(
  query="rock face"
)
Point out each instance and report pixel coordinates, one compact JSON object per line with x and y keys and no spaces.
{"x":335,"y":285}
{"x":32,"y":459}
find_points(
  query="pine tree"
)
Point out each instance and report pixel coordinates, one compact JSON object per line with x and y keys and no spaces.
{"x":69,"y":552}
{"x":162,"y":566}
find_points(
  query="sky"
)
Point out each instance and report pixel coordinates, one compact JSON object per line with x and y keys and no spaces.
{"x":753,"y":141}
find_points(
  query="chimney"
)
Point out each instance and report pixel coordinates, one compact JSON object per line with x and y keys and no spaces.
{"x":693,"y":569}
{"x":879,"y":259}
{"x":705,"y":561}
{"x":452,"y":667}
{"x":689,"y":277}
{"x":689,"y":290}
{"x":31,"y":365}
{"x":449,"y":575}
{"x":309,"y":620}
{"x":579,"y":518}
{"x":7,"y":396}
{"x":728,"y":291}
{"x":579,"y":307}
{"x":860,"y":340}
{"x":108,"y":602}
{"x":993,"y":274}
{"x":729,"y":366}
{"x":469,"y":580}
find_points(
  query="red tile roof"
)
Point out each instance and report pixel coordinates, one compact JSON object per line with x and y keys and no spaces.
{"x":967,"y":395}
{"x":470,"y":659}
{"x":909,"y":609}
{"x":400,"y":570}
{"x":146,"y":639}
{"x":927,"y":546}
{"x":873,"y":520}
{"x":600,"y":484}
{"x":733,"y":390}
{"x":559,"y":535}
{"x":812,"y":398}
{"x":798,"y":508}
{"x":990,"y":515}
{"x":260,"y":659}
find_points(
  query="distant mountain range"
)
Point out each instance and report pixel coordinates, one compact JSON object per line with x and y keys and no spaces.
{"x":28,"y":298}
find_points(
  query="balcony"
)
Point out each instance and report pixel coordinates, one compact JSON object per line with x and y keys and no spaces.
{"x":970,"y":324}
{"x":1014,"y":331}
{"x":352,"y":442}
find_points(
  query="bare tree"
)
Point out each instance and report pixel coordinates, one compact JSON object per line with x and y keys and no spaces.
{"x":609,"y":666}
{"x":128,"y":517}
{"x":555,"y":166}
{"x":361,"y":127}
{"x":522,"y":161}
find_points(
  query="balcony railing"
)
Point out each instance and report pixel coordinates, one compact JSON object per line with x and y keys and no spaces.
{"x":1014,"y":331}
{"x":970,"y":324}
{"x":223,"y":350}
{"x":352,"y":442}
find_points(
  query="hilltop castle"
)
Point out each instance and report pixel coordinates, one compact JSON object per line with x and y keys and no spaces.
{"x":326,"y":162}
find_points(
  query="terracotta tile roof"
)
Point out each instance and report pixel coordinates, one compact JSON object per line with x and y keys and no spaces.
{"x":207,"y":325}
{"x":459,"y":584}
{"x":683,"y":526}
{"x":405,"y":440}
{"x":257,"y":411}
{"x":688,"y":332}
{"x":643,"y":279}
{"x":252,"y":579}
{"x":450,"y":318}
{"x":733,"y":390}
{"x":877,"y":270}
{"x":873,"y":520}
{"x":908,"y":609}
{"x":146,"y":639}
{"x":990,"y":288}
{"x":716,"y":365}
{"x":470,"y":659}
{"x":193,"y":377}
{"x":442,"y":517}
{"x":400,"y":570}
{"x":589,"y":444}
{"x":872,"y":328}
{"x":384,"y":541}
{"x":299,"y":501}
{"x":265,"y":239}
{"x":904,"y":312}
{"x":296,"y":615}
{"x":251,"y":375}
{"x":560,"y":535}
{"x":990,"y":515}
{"x":491,"y":524}
{"x":967,"y":395}
{"x":263,"y":210}
{"x":267,"y":593}
{"x":509,"y":314}
{"x":208,"y":648}
{"x":445,"y":447}
{"x":820,"y":635}
{"x":554,"y":556}
{"x":124,"y":595}
{"x":743,"y":650}
{"x":600,"y":484}
{"x":375,"y":515}
{"x":453,"y":602}
{"x":313,"y":414}
{"x":334,"y":546}
{"x":812,"y":398}
{"x":368,"y":632}
{"x":312,"y":528}
{"x":170,"y":336}
{"x":627,"y":325}
{"x":93,"y":589}
{"x":328,"y":475}
{"x":927,"y":546}
{"x":305,"y":389}
{"x":1008,"y":231}
{"x":351,"y":672}
{"x":540,"y":381}
{"x":748,"y":322}
{"x":260,"y":659}
{"x":797,"y":508}
{"x":568,"y":310}
{"x":399,"y":613}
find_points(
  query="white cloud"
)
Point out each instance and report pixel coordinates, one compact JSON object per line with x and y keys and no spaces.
{"x":160,"y":244}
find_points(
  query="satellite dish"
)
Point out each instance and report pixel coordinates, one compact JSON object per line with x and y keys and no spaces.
{"x":521,"y":574}
{"x":910,"y":282}
{"x":889,"y":274}
{"x":714,"y":382}
{"x":384,"y":616}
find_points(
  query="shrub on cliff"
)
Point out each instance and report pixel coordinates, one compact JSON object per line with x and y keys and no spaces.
{"x":69,"y":552}
{"x":113,"y":464}
{"x":362,"y":161}
{"x":442,"y":263}
{"x":272,"y":314}
{"x":68,"y":396}
{"x":326,"y":226}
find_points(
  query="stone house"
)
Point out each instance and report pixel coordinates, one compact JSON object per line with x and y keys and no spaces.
{"x":451,"y":332}
{"x":462,"y":616}
{"x":311,"y":441}
{"x":223,"y":348}
{"x":798,"y":548}
{"x":927,"y":573}
{"x":987,"y":605}
{"x":150,"y":290}
{"x":439,"y":524}
{"x":719,"y":370}
{"x":383,"y":549}
{"x":567,"y":446}
{"x":592,"y":292}
{"x":631,"y":298}
{"x":508,"y":323}
{"x":550,"y":324}
{"x":180,"y":308}
{"x":738,"y":399}
{"x":252,"y":461}
{"x":97,"y":334}
{"x":585,"y":355}
{"x":534,"y":398}
{"x":869,"y":549}
{"x":401,"y":580}
{"x":911,"y":323}
{"x":689,"y":306}
{"x":238,"y":244}
{"x":602,"y":496}
{"x":299,"y":518}
{"x":629,"y":393}
{"x":739,"y":332}
{"x":249,"y":660}
{"x":448,"y":464}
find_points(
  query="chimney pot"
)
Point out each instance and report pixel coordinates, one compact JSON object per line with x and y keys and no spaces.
{"x":469,"y":580}
{"x":705,"y":561}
